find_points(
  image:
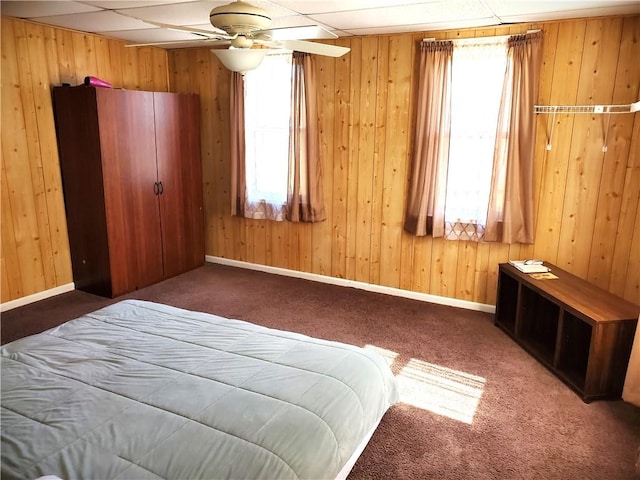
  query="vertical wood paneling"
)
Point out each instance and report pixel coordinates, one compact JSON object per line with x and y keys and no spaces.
{"x":466,"y":274}
{"x":22,"y":195}
{"x":84,"y":56}
{"x":366,"y":96}
{"x":435,"y":265}
{"x":11,"y":271}
{"x":35,"y":248}
{"x":632,"y":283}
{"x":354,"y":155}
{"x":209,"y":115}
{"x":27,"y":70}
{"x":396,"y":151}
{"x":618,"y":143}
{"x":54,"y":227}
{"x":550,"y":42}
{"x":597,"y":75}
{"x":481,"y":274}
{"x":65,"y":56}
{"x":564,"y":73}
{"x":103,"y":59}
{"x":587,"y":201}
{"x":625,"y":271}
{"x":415,"y":254}
{"x":379,"y":160}
{"x":50,"y":52}
{"x":116,"y":64}
{"x":339,"y":191}
{"x":322,"y":234}
{"x":586,"y":223}
{"x":498,"y":253}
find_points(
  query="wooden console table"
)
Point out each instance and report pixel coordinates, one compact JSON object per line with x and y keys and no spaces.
{"x":581,"y":332}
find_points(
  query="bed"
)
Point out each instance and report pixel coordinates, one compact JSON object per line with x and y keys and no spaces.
{"x":144,"y":390}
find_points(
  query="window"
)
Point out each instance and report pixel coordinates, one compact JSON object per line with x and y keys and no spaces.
{"x":267,"y":97}
{"x":472,"y":165}
{"x":477,"y":78}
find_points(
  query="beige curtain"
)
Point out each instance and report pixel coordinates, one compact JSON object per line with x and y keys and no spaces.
{"x":510,"y":217}
{"x":427,"y":188}
{"x":305,"y":199}
{"x":238,"y":177}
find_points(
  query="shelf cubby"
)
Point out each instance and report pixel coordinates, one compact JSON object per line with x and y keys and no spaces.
{"x":573,"y":355}
{"x":507,"y":303}
{"x":538,"y":327}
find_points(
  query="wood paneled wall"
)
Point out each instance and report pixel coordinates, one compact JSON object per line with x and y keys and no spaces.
{"x":587,"y":200}
{"x":35,"y":248}
{"x":588,"y":220}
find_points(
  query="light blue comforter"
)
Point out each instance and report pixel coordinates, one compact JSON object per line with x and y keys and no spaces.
{"x":143,"y":390}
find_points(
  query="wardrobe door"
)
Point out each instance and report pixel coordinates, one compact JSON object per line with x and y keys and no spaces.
{"x":177,"y":126}
{"x":78,"y":136}
{"x":127,"y":138}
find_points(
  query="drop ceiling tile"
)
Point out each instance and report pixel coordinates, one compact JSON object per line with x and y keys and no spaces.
{"x":343,"y":17}
{"x":102,"y":21}
{"x":311,"y":6}
{"x":295,"y":21}
{"x":187,"y":13}
{"x":565,"y":14}
{"x":118,"y":5}
{"x":43,"y":9}
{"x":568,"y":14}
{"x":426,"y":27}
{"x":274,"y":8}
{"x":425,"y":13}
{"x":511,"y":8}
{"x":192,"y":13}
{"x":152,"y":35}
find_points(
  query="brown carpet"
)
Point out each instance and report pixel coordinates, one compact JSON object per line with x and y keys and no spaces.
{"x":527,"y":425}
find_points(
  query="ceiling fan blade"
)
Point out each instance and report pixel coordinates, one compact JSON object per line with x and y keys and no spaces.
{"x":294,"y":33}
{"x":196,"y":41}
{"x":198,"y":31}
{"x":215,"y":33}
{"x":315,"y":48}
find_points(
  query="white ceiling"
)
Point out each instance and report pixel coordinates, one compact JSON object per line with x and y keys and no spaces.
{"x":126,"y":19}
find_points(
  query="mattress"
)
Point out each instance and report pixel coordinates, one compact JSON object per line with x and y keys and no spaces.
{"x":144,"y":390}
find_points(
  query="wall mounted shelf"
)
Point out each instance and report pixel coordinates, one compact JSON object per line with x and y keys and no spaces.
{"x":592,"y":109}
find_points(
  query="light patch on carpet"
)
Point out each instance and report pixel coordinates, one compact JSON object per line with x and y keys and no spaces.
{"x":388,"y":355}
{"x":440,"y":390}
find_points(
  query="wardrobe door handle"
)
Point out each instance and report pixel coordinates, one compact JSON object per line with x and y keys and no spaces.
{"x":156,"y":188}
{"x":161,"y":188}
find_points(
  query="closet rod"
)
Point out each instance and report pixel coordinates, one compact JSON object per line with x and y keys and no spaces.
{"x":630,"y":108}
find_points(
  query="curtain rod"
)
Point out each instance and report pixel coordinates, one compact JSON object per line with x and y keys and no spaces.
{"x":432,"y":39}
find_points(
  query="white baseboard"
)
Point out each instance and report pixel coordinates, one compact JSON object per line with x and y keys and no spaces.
{"x":52,"y":292}
{"x":425,"y":297}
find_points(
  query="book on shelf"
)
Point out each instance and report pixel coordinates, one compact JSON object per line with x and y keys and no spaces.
{"x":530,"y":266}
{"x":543,"y":276}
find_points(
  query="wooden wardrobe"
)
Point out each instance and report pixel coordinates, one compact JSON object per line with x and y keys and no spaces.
{"x":132,"y":180}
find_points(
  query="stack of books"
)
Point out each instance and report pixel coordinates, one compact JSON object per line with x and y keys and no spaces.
{"x":530,"y":266}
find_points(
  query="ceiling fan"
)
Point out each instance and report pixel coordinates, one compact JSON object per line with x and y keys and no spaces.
{"x":243,"y":26}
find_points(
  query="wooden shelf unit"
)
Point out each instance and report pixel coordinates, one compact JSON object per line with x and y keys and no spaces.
{"x":581,"y":332}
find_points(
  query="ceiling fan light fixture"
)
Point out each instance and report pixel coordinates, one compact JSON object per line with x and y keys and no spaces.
{"x":239,"y":17}
{"x":241,"y":59}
